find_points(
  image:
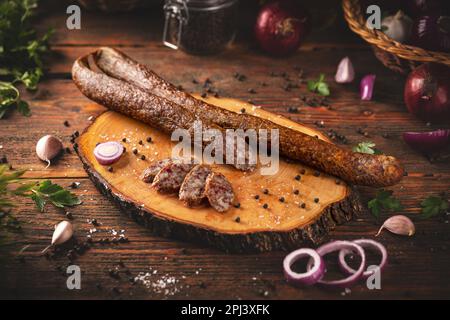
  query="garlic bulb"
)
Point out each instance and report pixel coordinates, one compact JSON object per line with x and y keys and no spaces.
{"x":397,"y":27}
{"x":399,"y":224}
{"x":63,"y":232}
{"x":345,"y":72}
{"x":48,"y":147}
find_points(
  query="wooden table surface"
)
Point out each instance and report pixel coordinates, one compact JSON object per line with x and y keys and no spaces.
{"x":419,"y":266}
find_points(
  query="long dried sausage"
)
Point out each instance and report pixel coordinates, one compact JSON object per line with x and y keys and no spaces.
{"x":353,"y":167}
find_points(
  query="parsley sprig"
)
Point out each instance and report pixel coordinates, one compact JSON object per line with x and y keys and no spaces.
{"x":366,"y":147}
{"x":41,"y":193}
{"x":384,"y":200}
{"x":432,"y":206}
{"x":319,"y":86}
{"x":21,"y":53}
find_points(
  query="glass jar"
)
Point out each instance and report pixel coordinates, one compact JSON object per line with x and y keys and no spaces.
{"x":200,"y":26}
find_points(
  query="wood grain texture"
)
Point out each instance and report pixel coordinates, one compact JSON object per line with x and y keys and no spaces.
{"x":418,"y":266}
{"x":283,"y":225}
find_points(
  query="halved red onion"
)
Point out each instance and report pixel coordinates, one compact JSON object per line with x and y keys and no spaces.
{"x":108,"y":152}
{"x":315,"y":272}
{"x":427,"y":142}
{"x":363,"y":243}
{"x":342,"y":245}
{"x":366,"y":86}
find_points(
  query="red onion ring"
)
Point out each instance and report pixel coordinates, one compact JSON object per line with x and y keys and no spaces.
{"x":340,"y":245}
{"x":310,"y":277}
{"x":108,"y":152}
{"x":363,"y":243}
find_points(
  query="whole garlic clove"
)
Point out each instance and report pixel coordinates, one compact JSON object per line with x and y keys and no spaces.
{"x":400,"y":225}
{"x":345,"y":72}
{"x":48,"y":147}
{"x":63,"y":232}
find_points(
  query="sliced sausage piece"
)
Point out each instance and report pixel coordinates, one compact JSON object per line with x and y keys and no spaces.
{"x":171,"y":176}
{"x":219,"y":192}
{"x":149,"y":174}
{"x":193,"y":188}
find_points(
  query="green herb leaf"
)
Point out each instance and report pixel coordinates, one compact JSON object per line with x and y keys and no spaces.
{"x":319,"y":86}
{"x":432,"y":206}
{"x":384,"y":201}
{"x":41,"y":193}
{"x":366,"y":147}
{"x":53,"y":193}
{"x":21,"y":52}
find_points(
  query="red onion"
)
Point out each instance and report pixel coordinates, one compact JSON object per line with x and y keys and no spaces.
{"x":281,"y":27}
{"x":366,"y":86}
{"x":427,"y":142}
{"x":427,"y":92}
{"x":314,"y":274}
{"x":341,"y":245}
{"x":108,"y":152}
{"x":432,"y":32}
{"x":345,"y":72}
{"x":363,"y":243}
{"x":420,"y":7}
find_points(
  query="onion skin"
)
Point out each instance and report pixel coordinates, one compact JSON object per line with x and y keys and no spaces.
{"x":420,"y":7}
{"x":308,"y":278}
{"x":366,"y":86}
{"x":342,"y":245}
{"x":427,"y":92}
{"x":432,"y":32}
{"x":281,"y":27}
{"x":108,"y":159}
{"x":427,"y":142}
{"x":363,"y":243}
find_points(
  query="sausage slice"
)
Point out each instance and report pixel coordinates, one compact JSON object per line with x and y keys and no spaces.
{"x":149,"y":174}
{"x":219,"y":192}
{"x":171,"y":176}
{"x":193,"y":188}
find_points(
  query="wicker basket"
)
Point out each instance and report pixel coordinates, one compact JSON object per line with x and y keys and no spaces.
{"x":394,"y":55}
{"x":113,"y":5}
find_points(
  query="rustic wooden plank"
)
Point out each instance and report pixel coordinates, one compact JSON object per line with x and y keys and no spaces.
{"x":404,"y":278}
{"x":220,"y":276}
{"x":143,"y":26}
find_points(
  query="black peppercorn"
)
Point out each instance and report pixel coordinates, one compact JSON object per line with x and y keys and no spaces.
{"x":110,"y":169}
{"x":303,"y":171}
{"x":149,"y":139}
{"x":135,"y":151}
{"x":243,"y":110}
{"x":281,"y":199}
{"x":142,"y":157}
{"x":265,"y":206}
{"x":237,"y":205}
{"x":303,"y":205}
{"x":124,"y":140}
{"x":296,"y":191}
{"x":316,"y":200}
{"x":266,"y":191}
{"x":257,"y":197}
{"x":238,"y":219}
{"x":298,"y":177}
